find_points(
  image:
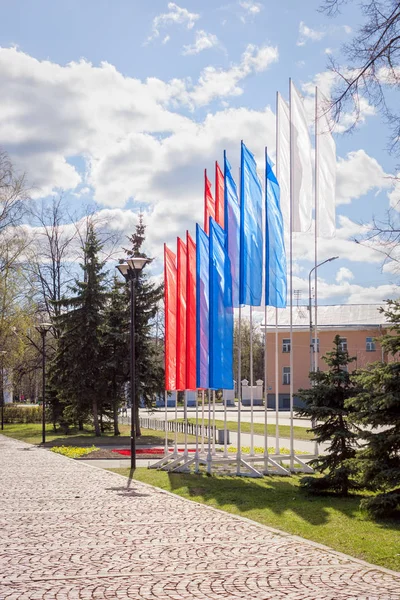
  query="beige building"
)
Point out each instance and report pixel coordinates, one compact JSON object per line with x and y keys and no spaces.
{"x":357,"y":324}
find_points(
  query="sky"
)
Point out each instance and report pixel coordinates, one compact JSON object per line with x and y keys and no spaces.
{"x":124,"y":103}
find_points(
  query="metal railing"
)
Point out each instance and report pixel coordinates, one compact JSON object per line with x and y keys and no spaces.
{"x":178,"y":426}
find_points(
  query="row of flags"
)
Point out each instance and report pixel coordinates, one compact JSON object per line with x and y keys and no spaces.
{"x":238,"y":257}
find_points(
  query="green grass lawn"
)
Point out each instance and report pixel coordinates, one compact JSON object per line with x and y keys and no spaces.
{"x":300,"y":433}
{"x":32,"y":434}
{"x":279,"y":502}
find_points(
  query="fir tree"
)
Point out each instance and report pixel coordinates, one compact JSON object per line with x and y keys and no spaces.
{"x":325,"y":402}
{"x":377,"y":408}
{"x":149,"y":355}
{"x":115,"y":347}
{"x":76,"y":370}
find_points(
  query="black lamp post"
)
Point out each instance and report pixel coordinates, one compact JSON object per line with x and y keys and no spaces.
{"x":131,"y":270}
{"x":3,"y":353}
{"x":43,"y":328}
{"x":312,"y":346}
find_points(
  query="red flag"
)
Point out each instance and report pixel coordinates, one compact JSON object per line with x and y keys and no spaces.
{"x":209,"y":204}
{"x":191,"y":315}
{"x":219,"y":195}
{"x":170,"y":318}
{"x":181,"y":317}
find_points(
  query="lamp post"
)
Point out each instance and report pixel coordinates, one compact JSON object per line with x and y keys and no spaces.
{"x":130,"y":271}
{"x":43,"y":328}
{"x":3,"y":353}
{"x":312,"y":346}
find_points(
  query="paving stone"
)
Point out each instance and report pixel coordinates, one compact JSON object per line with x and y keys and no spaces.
{"x":72,"y":532}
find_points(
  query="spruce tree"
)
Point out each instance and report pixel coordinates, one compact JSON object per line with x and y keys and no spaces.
{"x":149,"y":354}
{"x":377,"y":408}
{"x":115,"y":347}
{"x":325,"y":403}
{"x":76,"y":370}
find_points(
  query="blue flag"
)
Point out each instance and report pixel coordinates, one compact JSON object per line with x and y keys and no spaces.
{"x":202,"y":307}
{"x":232,"y":228}
{"x":221,"y":311}
{"x":251,"y":236}
{"x":275,"y":255}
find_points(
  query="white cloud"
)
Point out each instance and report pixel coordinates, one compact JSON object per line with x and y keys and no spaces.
{"x":358,"y":174}
{"x":344,"y":274}
{"x":203,"y":41}
{"x":251,"y":8}
{"x":175,"y":16}
{"x":307,"y":34}
{"x":347,"y":29}
{"x":166,"y":39}
{"x":394,"y":195}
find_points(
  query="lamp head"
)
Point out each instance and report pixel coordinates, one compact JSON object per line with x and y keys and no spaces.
{"x":136,"y":263}
{"x":123,"y":268}
{"x":43,"y":328}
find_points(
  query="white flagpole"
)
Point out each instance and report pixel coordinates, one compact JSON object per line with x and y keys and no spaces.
{"x":265,"y":392}
{"x":197,"y":434}
{"x":166,"y":421}
{"x":239,"y":420}
{"x":277,"y":443}
{"x":251,"y":386}
{"x":176,"y":424}
{"x":185,"y":424}
{"x":278,"y":173}
{"x":209,"y":459}
{"x":213,"y":441}
{"x":202,"y":421}
{"x":291,"y":278}
{"x":225,"y":428}
{"x":315,"y":343}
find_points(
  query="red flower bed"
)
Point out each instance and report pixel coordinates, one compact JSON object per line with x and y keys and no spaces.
{"x":150,"y":451}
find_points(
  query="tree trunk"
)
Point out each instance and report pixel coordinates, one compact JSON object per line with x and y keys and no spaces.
{"x":97,"y":430}
{"x":101,"y":422}
{"x":80,"y":425}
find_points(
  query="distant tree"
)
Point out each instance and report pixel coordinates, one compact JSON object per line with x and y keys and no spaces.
{"x":377,"y":408}
{"x":258,"y":351}
{"x":325,"y":403}
{"x":76,"y":371}
{"x":149,"y":353}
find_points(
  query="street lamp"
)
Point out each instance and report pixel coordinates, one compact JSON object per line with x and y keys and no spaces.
{"x":3,"y":353}
{"x":43,"y":328}
{"x":130,"y":271}
{"x":312,"y":346}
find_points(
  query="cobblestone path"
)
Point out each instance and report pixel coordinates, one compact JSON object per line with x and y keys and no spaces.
{"x":69,"y":532}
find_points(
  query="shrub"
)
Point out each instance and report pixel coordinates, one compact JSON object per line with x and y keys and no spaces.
{"x":22,"y":414}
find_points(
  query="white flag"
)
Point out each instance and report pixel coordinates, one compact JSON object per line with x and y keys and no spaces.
{"x":325,"y":165}
{"x":302,"y":179}
{"x":283,"y":157}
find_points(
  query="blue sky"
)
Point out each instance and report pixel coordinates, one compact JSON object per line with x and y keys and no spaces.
{"x":126,"y":102}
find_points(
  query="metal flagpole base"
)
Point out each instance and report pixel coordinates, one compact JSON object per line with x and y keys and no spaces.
{"x":171,"y":456}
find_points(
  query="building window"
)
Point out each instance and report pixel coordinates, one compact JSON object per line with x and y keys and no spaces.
{"x":286,"y":402}
{"x":315,"y":345}
{"x":370,"y":344}
{"x":343,"y":344}
{"x":286,"y":345}
{"x":286,"y":376}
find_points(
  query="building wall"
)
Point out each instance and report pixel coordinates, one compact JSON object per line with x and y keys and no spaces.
{"x":356,"y":345}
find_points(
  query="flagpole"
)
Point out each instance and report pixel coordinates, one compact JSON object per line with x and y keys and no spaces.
{"x":185,"y":424}
{"x":277,"y":444}
{"x":265,"y":322}
{"x":251,"y":386}
{"x":166,"y":421}
{"x":291,"y":278}
{"x":213,"y":440}
{"x":197,"y":434}
{"x":239,"y":447}
{"x":209,"y":459}
{"x":315,"y":343}
{"x":225,"y":427}
{"x":265,"y":392}
{"x":176,"y":424}
{"x":202,"y":421}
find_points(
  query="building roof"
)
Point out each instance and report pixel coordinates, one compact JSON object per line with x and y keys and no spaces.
{"x":355,"y":316}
